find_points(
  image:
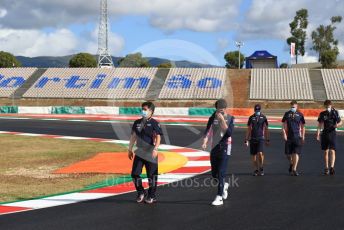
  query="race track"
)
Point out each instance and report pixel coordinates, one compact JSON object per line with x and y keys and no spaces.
{"x":275,"y":201}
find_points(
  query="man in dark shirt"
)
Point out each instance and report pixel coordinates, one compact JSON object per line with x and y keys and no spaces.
{"x":294,"y":136}
{"x":256,"y":136}
{"x":329,"y":120}
{"x":219,"y":131}
{"x":146,"y":133}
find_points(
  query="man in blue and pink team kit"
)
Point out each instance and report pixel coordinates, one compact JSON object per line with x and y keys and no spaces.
{"x":146,"y":135}
{"x":329,"y":120}
{"x":294,"y":136}
{"x":219,"y":132}
{"x":257,"y":136}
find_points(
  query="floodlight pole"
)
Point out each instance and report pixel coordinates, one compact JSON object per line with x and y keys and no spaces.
{"x":239,"y":45}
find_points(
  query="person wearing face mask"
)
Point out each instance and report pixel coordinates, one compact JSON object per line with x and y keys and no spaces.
{"x":146,"y":134}
{"x":219,"y":132}
{"x":257,"y":134}
{"x":294,"y":136}
{"x":328,"y":121}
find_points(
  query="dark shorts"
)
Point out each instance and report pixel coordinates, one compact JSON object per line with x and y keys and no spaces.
{"x":256,"y":146}
{"x":328,"y":141}
{"x":293,"y":146}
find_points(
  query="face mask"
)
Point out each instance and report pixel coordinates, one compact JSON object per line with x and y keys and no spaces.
{"x":144,"y":114}
{"x":258,"y":113}
{"x":293,"y":110}
{"x":329,"y":109}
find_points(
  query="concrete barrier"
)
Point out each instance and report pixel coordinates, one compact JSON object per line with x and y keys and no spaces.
{"x":34,"y":110}
{"x":341,"y":113}
{"x":172,"y":111}
{"x":102,"y":110}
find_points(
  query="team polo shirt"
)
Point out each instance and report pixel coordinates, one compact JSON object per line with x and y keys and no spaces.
{"x":214,"y":130}
{"x":294,"y":122}
{"x":146,"y":131}
{"x":258,"y":125}
{"x":330,"y":119}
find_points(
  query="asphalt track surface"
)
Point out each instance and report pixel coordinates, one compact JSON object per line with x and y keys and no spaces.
{"x":275,"y":201}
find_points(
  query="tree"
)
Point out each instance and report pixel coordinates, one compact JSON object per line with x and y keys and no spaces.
{"x":7,"y":60}
{"x":284,"y":66}
{"x":133,"y":60}
{"x":328,"y":58}
{"x":324,"y":42}
{"x":165,"y":65}
{"x":83,"y":60}
{"x":298,"y":32}
{"x":232,"y":60}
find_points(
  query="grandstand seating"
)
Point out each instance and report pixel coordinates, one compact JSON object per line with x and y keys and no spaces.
{"x":13,"y":78}
{"x":173,"y":84}
{"x":280,"y":84}
{"x":117,"y":83}
{"x":194,"y":83}
{"x":334,"y":85}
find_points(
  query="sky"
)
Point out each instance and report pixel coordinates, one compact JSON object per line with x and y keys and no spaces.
{"x":195,"y":30}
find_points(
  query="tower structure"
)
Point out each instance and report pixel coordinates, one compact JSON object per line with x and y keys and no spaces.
{"x":104,"y":58}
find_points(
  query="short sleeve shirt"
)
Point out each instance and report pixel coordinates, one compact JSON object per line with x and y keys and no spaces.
{"x":330,"y":119}
{"x":294,"y":122}
{"x":258,"y":125}
{"x":146,"y":131}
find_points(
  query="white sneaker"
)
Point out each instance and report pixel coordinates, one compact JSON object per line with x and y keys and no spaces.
{"x":218,"y":201}
{"x":225,"y":191}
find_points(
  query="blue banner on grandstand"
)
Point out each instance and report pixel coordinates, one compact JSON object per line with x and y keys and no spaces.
{"x":78,"y":82}
{"x":11,"y":82}
{"x":185,"y":82}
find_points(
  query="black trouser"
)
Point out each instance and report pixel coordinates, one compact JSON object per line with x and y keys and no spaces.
{"x":152,"y":175}
{"x":219,"y":162}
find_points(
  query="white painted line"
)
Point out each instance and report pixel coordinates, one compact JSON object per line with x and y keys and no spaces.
{"x":30,"y":134}
{"x":195,"y":154}
{"x":77,"y":197}
{"x":168,"y":147}
{"x":59,"y":200}
{"x":120,"y":142}
{"x":4,"y":132}
{"x":72,"y":138}
{"x":197,"y":164}
{"x":172,"y":176}
{"x":15,"y":118}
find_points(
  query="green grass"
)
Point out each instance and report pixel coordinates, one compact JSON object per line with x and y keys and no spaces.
{"x":27,"y":164}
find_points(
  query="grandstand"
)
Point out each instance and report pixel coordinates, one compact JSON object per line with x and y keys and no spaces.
{"x":281,"y":84}
{"x":169,"y":87}
{"x":92,"y":83}
{"x":12,"y":79}
{"x":196,"y":83}
{"x":334,"y":85}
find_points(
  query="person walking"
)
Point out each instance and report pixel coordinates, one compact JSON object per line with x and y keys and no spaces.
{"x":146,"y":134}
{"x":219,"y":132}
{"x":257,"y":136}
